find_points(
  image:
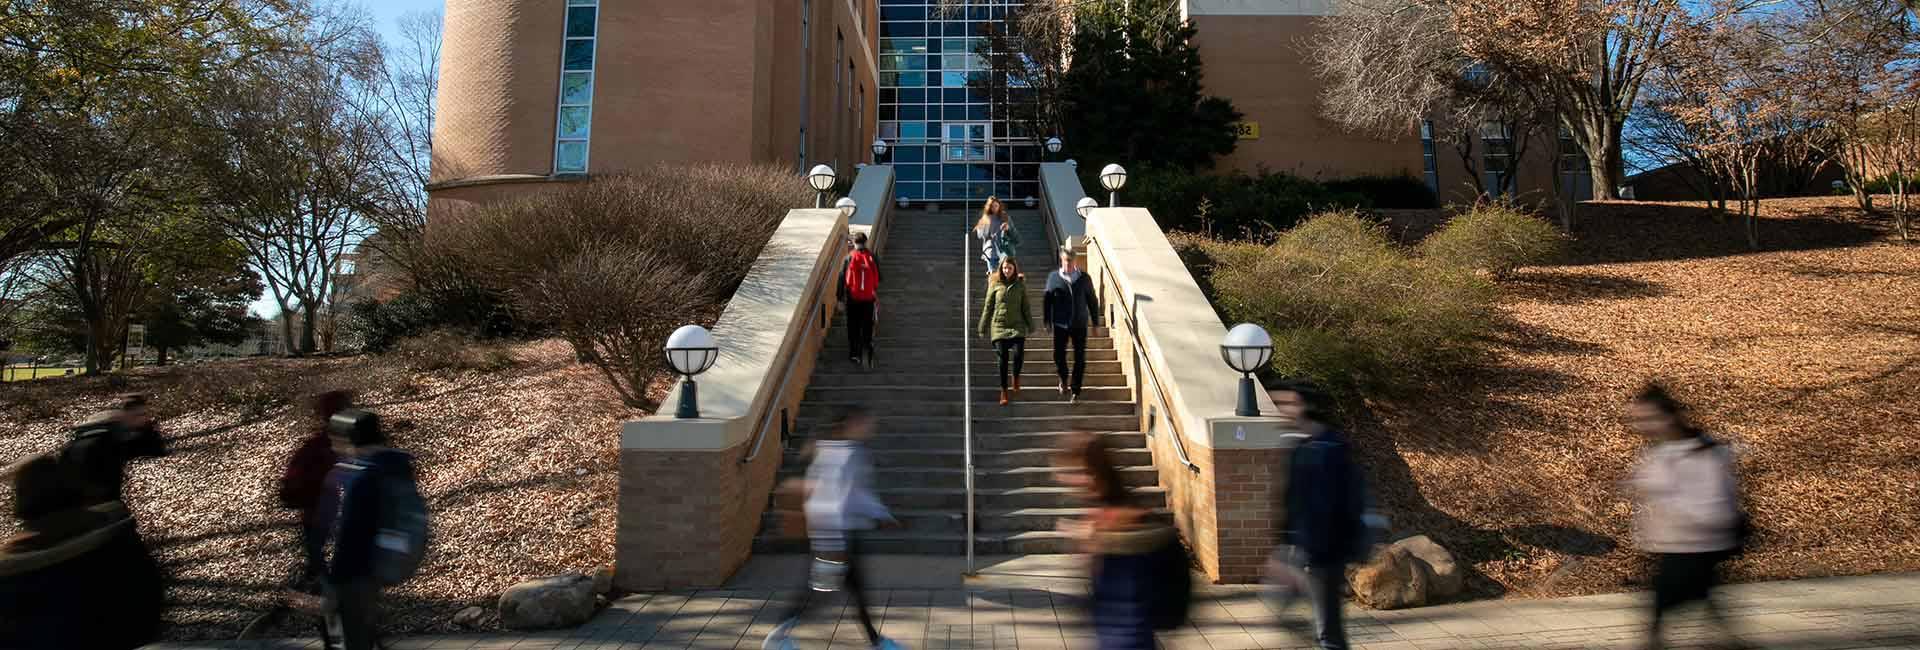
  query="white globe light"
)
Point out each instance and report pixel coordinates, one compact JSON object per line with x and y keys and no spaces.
{"x":1246,"y":348}
{"x":691,"y":350}
{"x":1053,"y":145}
{"x":903,"y":202}
{"x":821,"y":178}
{"x":846,"y":206}
{"x":1113,"y":177}
{"x":1032,"y":202}
{"x":1073,"y":163}
{"x":879,"y":147}
{"x":1085,"y":206}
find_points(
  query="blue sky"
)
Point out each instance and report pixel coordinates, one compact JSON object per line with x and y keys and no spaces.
{"x":386,"y":15}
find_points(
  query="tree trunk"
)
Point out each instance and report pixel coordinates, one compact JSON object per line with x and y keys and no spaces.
{"x":1606,"y":164}
{"x":310,"y":310}
{"x":161,"y":355}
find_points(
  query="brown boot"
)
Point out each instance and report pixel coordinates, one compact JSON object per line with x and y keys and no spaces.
{"x":1016,"y":384}
{"x":1003,"y":398}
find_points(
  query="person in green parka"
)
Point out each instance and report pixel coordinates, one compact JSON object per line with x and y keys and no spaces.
{"x":1006,"y":319}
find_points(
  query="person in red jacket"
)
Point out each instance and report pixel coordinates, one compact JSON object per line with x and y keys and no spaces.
{"x":306,"y":477}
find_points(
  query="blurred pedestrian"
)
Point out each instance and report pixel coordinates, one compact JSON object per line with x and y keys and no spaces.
{"x":1689,"y":517}
{"x":1071,"y":308}
{"x":306,"y":477}
{"x":78,"y":575}
{"x":378,"y":535}
{"x":1326,"y":508}
{"x":998,"y":238}
{"x":1006,"y":319}
{"x":103,"y":444}
{"x":840,"y":507}
{"x":860,"y":291}
{"x":1140,"y":576}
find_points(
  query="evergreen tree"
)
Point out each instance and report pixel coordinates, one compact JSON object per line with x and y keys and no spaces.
{"x":1132,"y":92}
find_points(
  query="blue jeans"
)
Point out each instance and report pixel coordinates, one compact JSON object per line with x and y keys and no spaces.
{"x":1329,"y":587}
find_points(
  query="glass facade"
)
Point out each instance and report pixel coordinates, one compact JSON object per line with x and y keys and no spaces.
{"x":947,"y":143}
{"x":576,"y":88}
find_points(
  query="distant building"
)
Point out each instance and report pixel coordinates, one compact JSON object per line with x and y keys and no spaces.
{"x":534,"y":92}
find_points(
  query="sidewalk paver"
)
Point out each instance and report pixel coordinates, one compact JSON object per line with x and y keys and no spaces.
{"x":1868,"y":612}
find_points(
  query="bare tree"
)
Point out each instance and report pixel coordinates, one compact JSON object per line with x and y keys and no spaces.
{"x":400,"y":103}
{"x":298,"y":166}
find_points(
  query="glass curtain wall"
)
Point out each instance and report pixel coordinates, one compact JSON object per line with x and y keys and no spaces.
{"x":947,"y":143}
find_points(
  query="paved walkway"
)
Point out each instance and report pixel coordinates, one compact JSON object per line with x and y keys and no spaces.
{"x":1039,"y":610}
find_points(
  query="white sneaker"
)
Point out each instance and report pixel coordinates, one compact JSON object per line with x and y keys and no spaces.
{"x":781,"y":638}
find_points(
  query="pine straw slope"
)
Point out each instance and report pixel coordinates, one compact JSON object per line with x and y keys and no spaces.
{"x":519,"y":468}
{"x":1807,"y":360}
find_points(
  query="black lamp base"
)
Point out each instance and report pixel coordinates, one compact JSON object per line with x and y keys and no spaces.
{"x":689,"y":400}
{"x":1247,"y":407}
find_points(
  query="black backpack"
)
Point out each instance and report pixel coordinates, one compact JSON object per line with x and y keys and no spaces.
{"x":1173,"y":586}
{"x":1742,"y":523}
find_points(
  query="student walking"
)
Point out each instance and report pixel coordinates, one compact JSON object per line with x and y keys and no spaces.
{"x":998,"y":238}
{"x":378,"y":525}
{"x":859,"y":290}
{"x":1326,"y":509}
{"x":1006,"y":319}
{"x":77,"y":575}
{"x":1070,"y":308}
{"x":103,"y":444}
{"x":1689,"y":518}
{"x":305,"y":479}
{"x":840,"y":507}
{"x":1141,"y":581}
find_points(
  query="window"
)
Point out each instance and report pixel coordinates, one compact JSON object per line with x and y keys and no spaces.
{"x":575,"y":119}
{"x":1429,"y":162}
{"x":1497,"y":139}
{"x":835,"y":118}
{"x":967,"y":142}
{"x":806,"y":79}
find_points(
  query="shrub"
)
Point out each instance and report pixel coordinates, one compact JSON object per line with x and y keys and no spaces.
{"x":456,"y":305}
{"x":441,"y":350}
{"x":1388,"y":192}
{"x":1238,"y":204}
{"x":1347,"y":308}
{"x":1495,"y":237}
{"x":615,"y":263}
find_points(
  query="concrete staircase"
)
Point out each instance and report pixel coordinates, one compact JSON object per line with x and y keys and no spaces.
{"x":914,"y":390}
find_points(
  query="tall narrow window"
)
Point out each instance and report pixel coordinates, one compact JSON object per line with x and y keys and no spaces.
{"x":806,"y":79}
{"x":1497,"y":139}
{"x":576,"y":88}
{"x":1429,"y":163}
{"x":837,"y":117}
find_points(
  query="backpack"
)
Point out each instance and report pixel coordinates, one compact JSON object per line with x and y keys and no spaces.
{"x":1173,"y":586}
{"x":1742,"y":523}
{"x":863,"y":277}
{"x":400,"y":541}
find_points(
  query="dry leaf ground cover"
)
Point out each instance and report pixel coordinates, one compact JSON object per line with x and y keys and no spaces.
{"x":519,"y":468}
{"x":1805,"y":357}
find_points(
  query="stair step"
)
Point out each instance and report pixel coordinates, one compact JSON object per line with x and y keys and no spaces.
{"x":994,"y":458}
{"x":986,"y":391}
{"x":1035,"y":377}
{"x":1002,"y":478}
{"x":935,"y":354}
{"x":984,"y":428}
{"x":908,"y":542}
{"x":1055,"y":437}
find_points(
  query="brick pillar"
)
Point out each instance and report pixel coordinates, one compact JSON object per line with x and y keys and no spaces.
{"x":688,"y":516}
{"x":1247,"y":489}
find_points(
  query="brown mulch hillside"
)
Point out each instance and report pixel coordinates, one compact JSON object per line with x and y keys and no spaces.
{"x":1804,"y":356}
{"x":519,"y":468}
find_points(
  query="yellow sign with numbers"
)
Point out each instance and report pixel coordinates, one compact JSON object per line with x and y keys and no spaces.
{"x":1248,"y":130}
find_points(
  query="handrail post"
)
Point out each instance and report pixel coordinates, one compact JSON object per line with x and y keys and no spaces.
{"x":966,"y":377}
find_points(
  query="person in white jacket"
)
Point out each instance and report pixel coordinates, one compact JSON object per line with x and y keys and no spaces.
{"x":1688,"y":516}
{"x":840,"y":505}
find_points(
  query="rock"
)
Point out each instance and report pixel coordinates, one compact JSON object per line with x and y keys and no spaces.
{"x":1394,"y":580}
{"x":547,"y":603}
{"x":470,"y":617}
{"x":1447,"y":578}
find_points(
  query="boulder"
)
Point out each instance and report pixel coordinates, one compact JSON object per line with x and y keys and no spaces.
{"x":470,"y":617}
{"x":547,"y":603}
{"x":1395,"y":579}
{"x":603,"y":580}
{"x":1447,"y":578}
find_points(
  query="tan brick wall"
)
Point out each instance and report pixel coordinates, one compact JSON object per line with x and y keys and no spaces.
{"x":688,"y":519}
{"x":1247,"y":487}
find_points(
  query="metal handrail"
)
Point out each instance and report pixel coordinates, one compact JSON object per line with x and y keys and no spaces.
{"x":814,"y":316}
{"x":966,"y":377}
{"x":1152,"y":375}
